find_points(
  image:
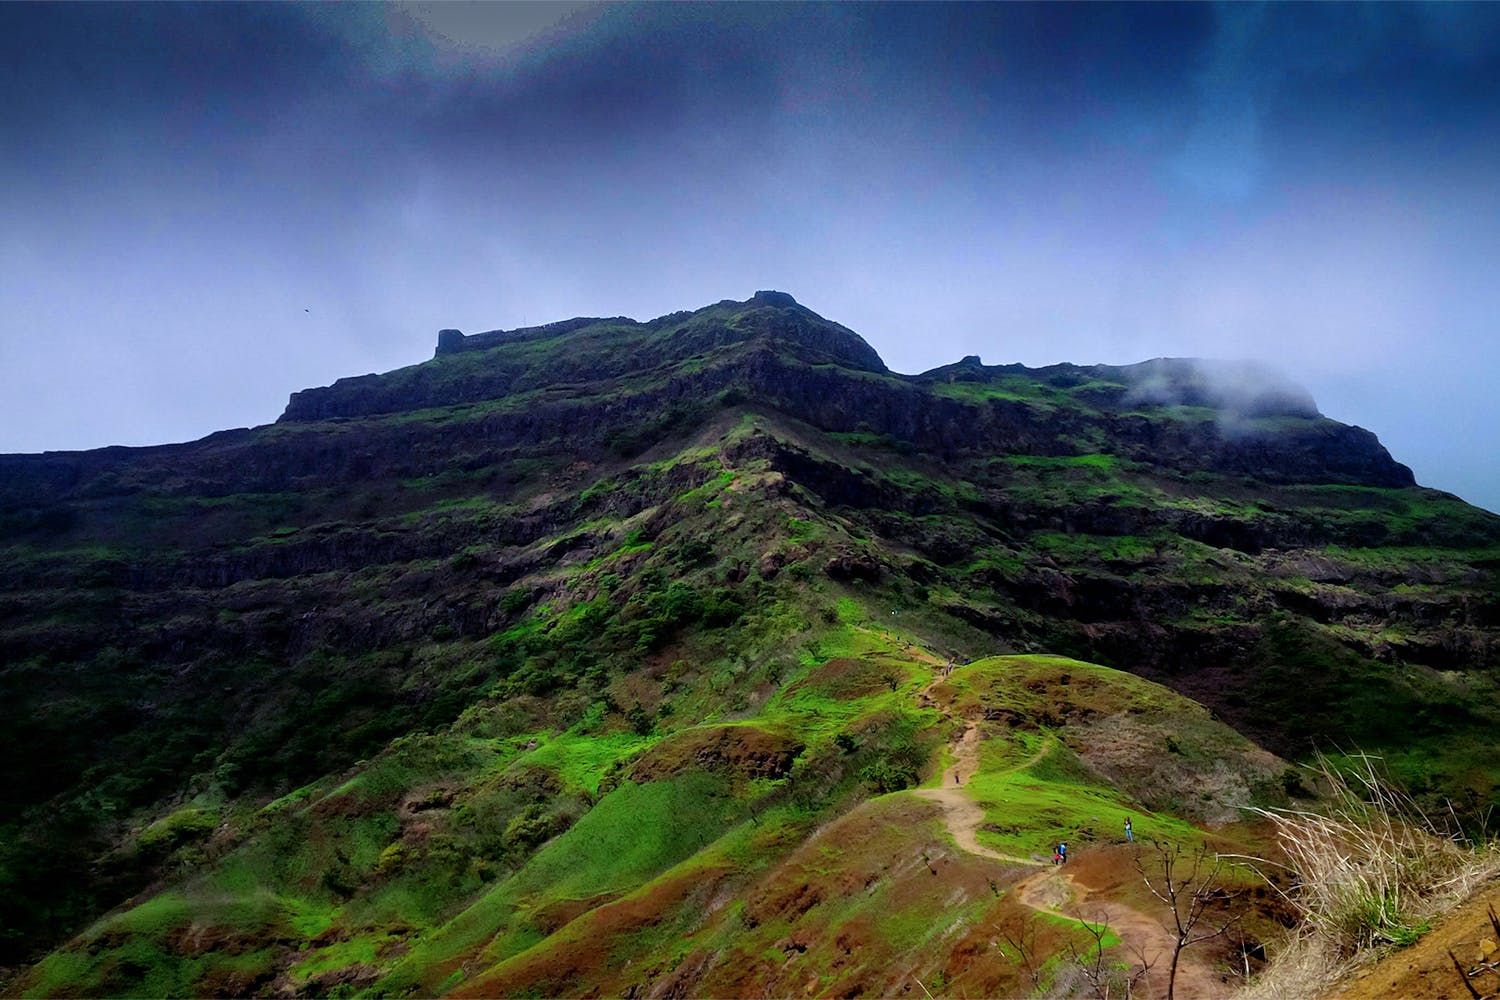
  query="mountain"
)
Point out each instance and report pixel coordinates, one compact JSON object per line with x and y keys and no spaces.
{"x":594,"y":631}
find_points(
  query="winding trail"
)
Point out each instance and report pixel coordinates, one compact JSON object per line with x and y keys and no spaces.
{"x":1055,"y":891}
{"x":960,"y":812}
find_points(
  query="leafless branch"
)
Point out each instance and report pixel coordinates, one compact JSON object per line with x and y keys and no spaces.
{"x":1103,"y":978}
{"x":1188,"y":897}
{"x":1463,"y":976}
{"x":1021,"y":936}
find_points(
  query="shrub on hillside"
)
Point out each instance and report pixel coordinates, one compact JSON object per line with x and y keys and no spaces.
{"x":171,"y":832}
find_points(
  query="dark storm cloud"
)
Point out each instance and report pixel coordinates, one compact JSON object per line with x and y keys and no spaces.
{"x":1284,"y":87}
{"x":638,"y":74}
{"x":190,"y":74}
{"x":179,"y":71}
{"x":297,"y":193}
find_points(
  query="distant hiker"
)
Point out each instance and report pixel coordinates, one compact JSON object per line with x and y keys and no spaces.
{"x":1129,"y":833}
{"x":955,"y":776}
{"x":1057,"y":855}
{"x":1062,"y":853}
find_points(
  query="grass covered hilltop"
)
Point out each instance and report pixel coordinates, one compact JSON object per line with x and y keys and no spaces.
{"x":706,"y":656}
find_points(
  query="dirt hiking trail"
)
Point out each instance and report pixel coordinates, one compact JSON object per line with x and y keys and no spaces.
{"x":960,"y":812}
{"x":1060,"y":892}
{"x":1057,"y":890}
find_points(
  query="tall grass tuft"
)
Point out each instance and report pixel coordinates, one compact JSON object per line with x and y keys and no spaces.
{"x":1374,"y":868}
{"x":1371,"y":870}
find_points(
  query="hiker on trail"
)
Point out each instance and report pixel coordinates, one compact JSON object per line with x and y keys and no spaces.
{"x":1057,"y":855}
{"x":1129,"y":833}
{"x":1062,"y":853}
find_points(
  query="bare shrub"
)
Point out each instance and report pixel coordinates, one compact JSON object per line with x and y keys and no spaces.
{"x":1188,"y":886}
{"x":1102,"y":979}
{"x":1020,"y":934}
{"x":1086,"y":973}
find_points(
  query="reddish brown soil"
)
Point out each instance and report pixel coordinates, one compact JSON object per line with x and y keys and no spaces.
{"x":578,"y":956}
{"x":557,"y":915}
{"x":846,"y":677}
{"x":1424,"y":971}
{"x":194,"y":940}
{"x":223,"y":982}
{"x":737,"y":751}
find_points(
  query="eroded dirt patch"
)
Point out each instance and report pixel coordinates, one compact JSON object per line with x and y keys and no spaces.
{"x":733,"y":751}
{"x":846,"y":678}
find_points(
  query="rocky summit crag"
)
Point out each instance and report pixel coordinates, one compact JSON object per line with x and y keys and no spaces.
{"x":579,"y":632}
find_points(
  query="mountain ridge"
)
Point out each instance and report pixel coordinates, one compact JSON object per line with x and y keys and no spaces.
{"x":1243,"y":397}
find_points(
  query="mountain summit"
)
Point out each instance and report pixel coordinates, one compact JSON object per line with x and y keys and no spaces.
{"x":1182,"y":413}
{"x":790,"y":322}
{"x":568,"y":641}
{"x":485,"y":366}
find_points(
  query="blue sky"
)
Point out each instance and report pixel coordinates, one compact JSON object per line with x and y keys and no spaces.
{"x":209,"y":207}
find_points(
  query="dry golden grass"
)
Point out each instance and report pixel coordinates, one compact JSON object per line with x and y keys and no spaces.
{"x":1369,"y":872}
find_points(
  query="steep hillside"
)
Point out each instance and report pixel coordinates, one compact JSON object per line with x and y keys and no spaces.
{"x":382,"y":677}
{"x":736,"y":856}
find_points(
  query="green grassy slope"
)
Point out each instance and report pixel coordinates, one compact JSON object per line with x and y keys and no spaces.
{"x":513,"y":863}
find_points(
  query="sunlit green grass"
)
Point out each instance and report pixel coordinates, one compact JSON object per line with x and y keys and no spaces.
{"x":1033,"y":813}
{"x":633,"y":834}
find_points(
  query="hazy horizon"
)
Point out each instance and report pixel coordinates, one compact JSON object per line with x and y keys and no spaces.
{"x":211,"y":207}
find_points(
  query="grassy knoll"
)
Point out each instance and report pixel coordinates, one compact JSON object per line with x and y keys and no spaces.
{"x":366,"y":875}
{"x":1071,"y":749}
{"x":1029,"y":808}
